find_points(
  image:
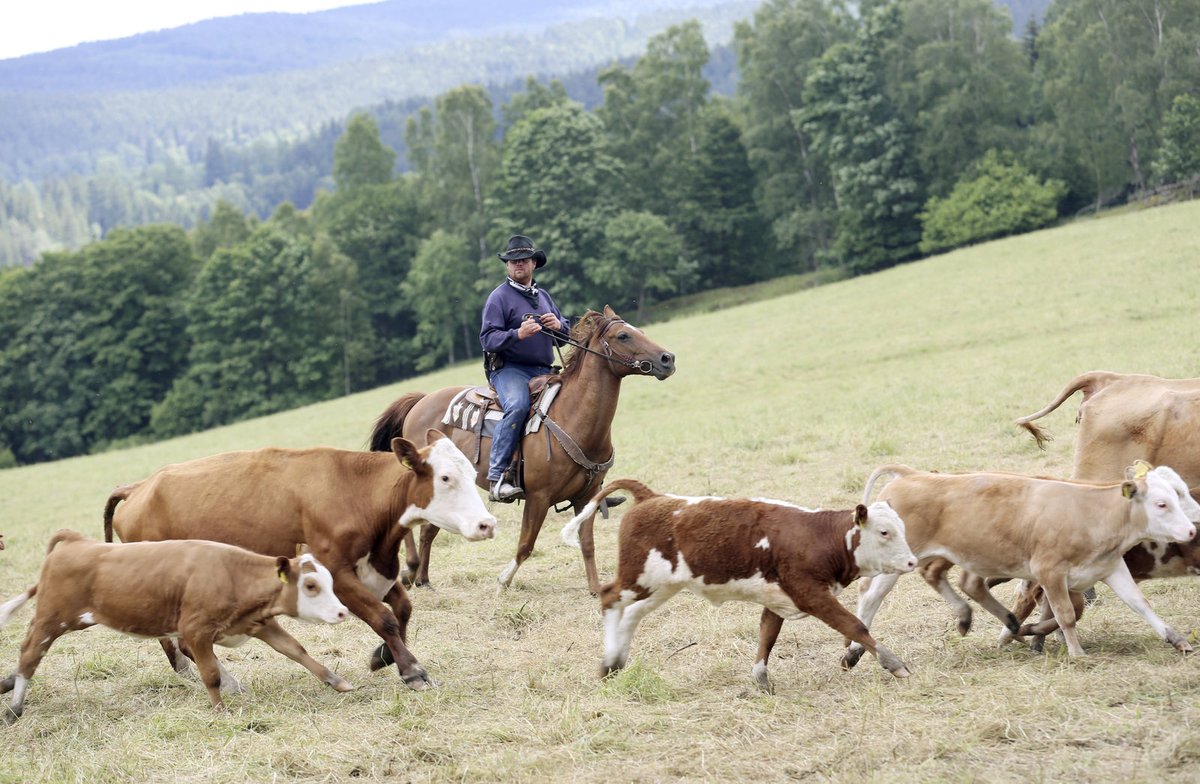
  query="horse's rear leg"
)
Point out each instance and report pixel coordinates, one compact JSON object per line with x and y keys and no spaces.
{"x":428,"y":532}
{"x":412,"y":559}
{"x":531,"y":526}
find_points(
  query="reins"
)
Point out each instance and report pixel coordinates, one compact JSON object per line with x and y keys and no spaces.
{"x":643,"y":366}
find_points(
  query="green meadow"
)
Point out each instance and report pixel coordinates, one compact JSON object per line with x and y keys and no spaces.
{"x":797,"y":397}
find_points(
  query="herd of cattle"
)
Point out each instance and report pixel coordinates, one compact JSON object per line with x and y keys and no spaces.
{"x":213,"y":550}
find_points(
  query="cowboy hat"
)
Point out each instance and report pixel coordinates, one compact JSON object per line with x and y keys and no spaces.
{"x":521,"y":247}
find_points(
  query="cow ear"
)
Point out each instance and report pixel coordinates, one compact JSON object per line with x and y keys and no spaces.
{"x":1138,"y":470}
{"x":860,"y":516}
{"x":405,"y":451}
{"x":1129,"y":488}
{"x":432,"y":435}
{"x":283,"y":567}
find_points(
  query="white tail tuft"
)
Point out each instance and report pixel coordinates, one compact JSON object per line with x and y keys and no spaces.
{"x":570,"y":531}
{"x":12,"y":605}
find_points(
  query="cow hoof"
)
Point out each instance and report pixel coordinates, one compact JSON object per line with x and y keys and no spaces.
{"x":11,"y":716}
{"x":1037,"y":643}
{"x":851,"y":657}
{"x":901,"y":673}
{"x":964,"y":626}
{"x":340,"y":684}
{"x":381,"y":657}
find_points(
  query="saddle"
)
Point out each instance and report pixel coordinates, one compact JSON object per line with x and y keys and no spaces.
{"x":477,"y":410}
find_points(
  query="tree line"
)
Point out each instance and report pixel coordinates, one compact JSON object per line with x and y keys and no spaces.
{"x":856,"y":140}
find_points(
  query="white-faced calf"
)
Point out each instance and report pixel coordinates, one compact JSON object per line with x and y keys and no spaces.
{"x":790,"y":560}
{"x":200,"y":593}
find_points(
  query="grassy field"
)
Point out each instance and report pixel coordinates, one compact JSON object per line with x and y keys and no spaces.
{"x":796,"y":397}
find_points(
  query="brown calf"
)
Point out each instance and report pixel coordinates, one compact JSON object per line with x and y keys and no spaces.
{"x":1065,"y":535}
{"x":201,"y":592}
{"x":793,"y":561}
{"x":352,"y":509}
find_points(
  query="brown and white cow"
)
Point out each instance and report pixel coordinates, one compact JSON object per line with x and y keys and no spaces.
{"x":200,"y":592}
{"x":792,"y":561}
{"x":1065,"y":535}
{"x":350,"y":508}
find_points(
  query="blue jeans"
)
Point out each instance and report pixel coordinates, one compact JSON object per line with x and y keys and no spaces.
{"x":511,"y":383}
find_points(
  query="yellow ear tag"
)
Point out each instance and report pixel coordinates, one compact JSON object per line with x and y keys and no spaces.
{"x":1140,"y":469}
{"x":406,"y":463}
{"x":283,"y":577}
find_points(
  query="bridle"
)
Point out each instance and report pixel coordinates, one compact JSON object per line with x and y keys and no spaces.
{"x":643,"y":366}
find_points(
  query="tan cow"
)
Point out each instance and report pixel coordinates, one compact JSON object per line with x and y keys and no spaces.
{"x":793,"y":561}
{"x":1125,"y":417}
{"x":1065,"y":535}
{"x":200,"y":592}
{"x":351,"y":509}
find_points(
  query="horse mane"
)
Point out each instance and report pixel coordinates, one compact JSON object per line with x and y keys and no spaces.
{"x":586,"y":328}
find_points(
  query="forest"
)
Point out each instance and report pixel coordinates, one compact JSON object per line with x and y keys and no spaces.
{"x":856,"y":137}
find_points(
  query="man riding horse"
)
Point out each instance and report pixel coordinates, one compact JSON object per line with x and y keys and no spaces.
{"x":517,"y":347}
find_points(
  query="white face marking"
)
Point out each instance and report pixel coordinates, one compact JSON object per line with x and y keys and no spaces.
{"x":1163,"y":502}
{"x":315,"y":599}
{"x":376,"y":583}
{"x":882,"y":547}
{"x":763,"y":544}
{"x":456,"y":504}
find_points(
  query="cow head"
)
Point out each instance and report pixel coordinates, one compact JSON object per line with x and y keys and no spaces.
{"x":882,"y":546}
{"x":315,"y":599}
{"x":1164,"y":498}
{"x":445,"y":493}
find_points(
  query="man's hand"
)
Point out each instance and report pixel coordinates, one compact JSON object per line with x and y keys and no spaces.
{"x":529,"y":327}
{"x":550,"y":321}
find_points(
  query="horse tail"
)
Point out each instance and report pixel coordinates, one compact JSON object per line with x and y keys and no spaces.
{"x":1090,"y":383}
{"x":115,"y":497}
{"x":894,"y":469}
{"x":639,"y":491}
{"x":390,"y":423}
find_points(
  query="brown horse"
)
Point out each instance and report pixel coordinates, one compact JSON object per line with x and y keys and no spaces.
{"x":583,"y":412}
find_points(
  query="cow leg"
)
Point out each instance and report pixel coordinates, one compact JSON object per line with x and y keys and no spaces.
{"x":428,"y":534}
{"x":397,"y":599}
{"x":768,"y":632}
{"x":976,"y":587}
{"x":621,"y":620}
{"x":38,"y":639}
{"x":273,"y":634}
{"x":360,"y":601}
{"x":871,"y":591}
{"x":822,"y":605}
{"x":1028,"y":596}
{"x":229,"y":683}
{"x":1123,"y":585}
{"x":179,"y":662}
{"x":210,"y":670}
{"x":934,"y":574}
{"x":1054,"y":583}
{"x":531,"y":526}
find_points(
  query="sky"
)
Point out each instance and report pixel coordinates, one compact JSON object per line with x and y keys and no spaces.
{"x":28,"y":26}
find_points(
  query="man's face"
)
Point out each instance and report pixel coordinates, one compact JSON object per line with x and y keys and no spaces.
{"x":521,"y":270}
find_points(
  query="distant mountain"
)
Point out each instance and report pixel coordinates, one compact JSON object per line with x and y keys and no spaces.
{"x":128,"y":103}
{"x":271,"y":43}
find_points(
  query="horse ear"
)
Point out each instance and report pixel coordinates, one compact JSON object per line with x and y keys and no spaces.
{"x":608,"y":311}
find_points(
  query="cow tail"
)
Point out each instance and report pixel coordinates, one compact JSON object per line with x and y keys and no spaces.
{"x":1089,"y":383}
{"x":892,"y":470}
{"x":16,"y":603}
{"x":390,"y":423}
{"x":570,"y":531}
{"x":114,"y":498}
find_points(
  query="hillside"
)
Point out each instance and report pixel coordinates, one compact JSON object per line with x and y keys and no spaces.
{"x":798,"y":398}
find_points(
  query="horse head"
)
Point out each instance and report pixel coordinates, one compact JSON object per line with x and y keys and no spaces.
{"x":627,"y":349}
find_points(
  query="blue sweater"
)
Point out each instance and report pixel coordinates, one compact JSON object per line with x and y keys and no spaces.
{"x":502,"y":315}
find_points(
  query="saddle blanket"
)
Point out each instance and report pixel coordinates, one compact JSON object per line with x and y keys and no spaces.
{"x":465,"y":414}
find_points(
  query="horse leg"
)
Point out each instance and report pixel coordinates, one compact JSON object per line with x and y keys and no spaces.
{"x":531,"y":525}
{"x":428,"y":532}
{"x":412,"y":559}
{"x":587,"y":547}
